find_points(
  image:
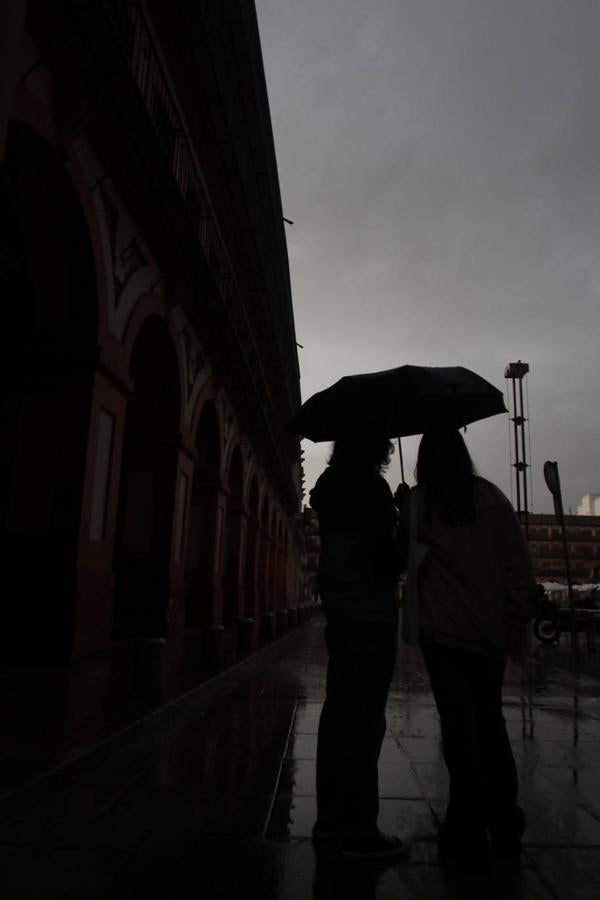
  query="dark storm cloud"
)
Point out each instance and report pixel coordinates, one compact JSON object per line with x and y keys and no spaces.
{"x":441,"y":160}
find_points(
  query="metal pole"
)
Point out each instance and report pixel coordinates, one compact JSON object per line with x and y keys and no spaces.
{"x":524,"y":459}
{"x":401,"y":459}
{"x":574,"y":633}
{"x":514,"y":383}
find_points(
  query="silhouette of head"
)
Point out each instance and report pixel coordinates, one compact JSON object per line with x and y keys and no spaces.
{"x":446,"y":470}
{"x":361,"y":452}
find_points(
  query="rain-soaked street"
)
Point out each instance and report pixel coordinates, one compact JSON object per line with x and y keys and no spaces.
{"x":214,"y":797}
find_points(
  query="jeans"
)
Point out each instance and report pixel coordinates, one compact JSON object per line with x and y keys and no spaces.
{"x":467,"y":687}
{"x":352,"y":724}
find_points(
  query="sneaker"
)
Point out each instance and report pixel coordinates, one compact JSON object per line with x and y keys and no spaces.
{"x":464,"y":853}
{"x":378,"y":846}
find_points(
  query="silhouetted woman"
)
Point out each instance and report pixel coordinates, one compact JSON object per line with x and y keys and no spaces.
{"x":476,"y":597}
{"x":359,"y":565}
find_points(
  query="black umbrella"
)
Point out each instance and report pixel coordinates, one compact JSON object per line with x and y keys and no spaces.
{"x":398,"y":402}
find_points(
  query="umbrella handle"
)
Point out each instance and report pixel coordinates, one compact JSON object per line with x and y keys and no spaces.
{"x":401,"y":460}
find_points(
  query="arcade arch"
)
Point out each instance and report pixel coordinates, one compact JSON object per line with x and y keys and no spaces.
{"x":252,"y":548}
{"x":234,"y":534}
{"x":50,"y":319}
{"x":142,"y":553}
{"x":202,"y":571}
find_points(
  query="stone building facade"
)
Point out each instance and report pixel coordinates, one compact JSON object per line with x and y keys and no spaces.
{"x":547,"y":550}
{"x":148,"y":488}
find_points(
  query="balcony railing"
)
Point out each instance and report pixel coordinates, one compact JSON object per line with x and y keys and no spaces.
{"x":135,"y":35}
{"x":136,"y":39}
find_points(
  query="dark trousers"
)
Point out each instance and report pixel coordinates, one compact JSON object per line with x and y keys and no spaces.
{"x":467,"y":688}
{"x":352,"y":724}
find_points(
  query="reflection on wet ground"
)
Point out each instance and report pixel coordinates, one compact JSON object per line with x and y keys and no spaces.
{"x":219,"y":802}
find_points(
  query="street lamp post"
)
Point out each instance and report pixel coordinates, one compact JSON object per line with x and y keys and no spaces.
{"x":552,"y":479}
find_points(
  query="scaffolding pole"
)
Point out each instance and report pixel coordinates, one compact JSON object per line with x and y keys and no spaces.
{"x":515,"y":372}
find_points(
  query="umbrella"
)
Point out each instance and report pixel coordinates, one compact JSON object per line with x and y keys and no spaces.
{"x":398,"y":402}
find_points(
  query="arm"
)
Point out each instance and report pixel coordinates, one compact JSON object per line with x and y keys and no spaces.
{"x":522,"y":587}
{"x":381,"y":538}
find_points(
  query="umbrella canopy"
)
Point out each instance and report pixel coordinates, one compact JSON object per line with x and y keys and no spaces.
{"x":398,"y":402}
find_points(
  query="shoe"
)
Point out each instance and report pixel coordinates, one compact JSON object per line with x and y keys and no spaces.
{"x":466,"y":860}
{"x":462,"y":855}
{"x":378,"y":846}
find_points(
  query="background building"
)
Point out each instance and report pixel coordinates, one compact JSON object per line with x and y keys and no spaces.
{"x":546,"y":546}
{"x":589,"y":506}
{"x":310,"y":556}
{"x":147,"y":485}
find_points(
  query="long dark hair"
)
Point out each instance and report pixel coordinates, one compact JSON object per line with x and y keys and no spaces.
{"x":446,"y":471}
{"x":361,"y":452}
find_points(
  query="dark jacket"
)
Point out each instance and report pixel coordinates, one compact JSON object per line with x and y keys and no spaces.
{"x":360,"y":557}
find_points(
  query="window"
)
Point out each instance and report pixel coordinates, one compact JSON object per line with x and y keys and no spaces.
{"x":106,"y":427}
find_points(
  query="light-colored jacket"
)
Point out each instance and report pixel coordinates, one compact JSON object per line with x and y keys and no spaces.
{"x":476,"y":579}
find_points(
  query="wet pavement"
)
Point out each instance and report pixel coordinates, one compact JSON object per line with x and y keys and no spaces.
{"x":213,"y":797}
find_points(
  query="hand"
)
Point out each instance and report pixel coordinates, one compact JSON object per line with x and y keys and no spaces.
{"x":401,"y":493}
{"x":519,"y":643}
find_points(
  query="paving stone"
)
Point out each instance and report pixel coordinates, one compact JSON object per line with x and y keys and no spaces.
{"x":398,"y":781}
{"x":178,"y":807}
{"x":414,"y":723}
{"x":555,"y":815}
{"x":178,"y":811}
{"x":298,"y":777}
{"x":432,"y":779}
{"x":294,"y":817}
{"x":422,"y":750}
{"x":572,"y":873}
{"x":307,"y":718}
{"x":39,"y":872}
{"x":302,"y":746}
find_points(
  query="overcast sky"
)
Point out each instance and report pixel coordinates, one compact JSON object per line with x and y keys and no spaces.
{"x":441,"y":162}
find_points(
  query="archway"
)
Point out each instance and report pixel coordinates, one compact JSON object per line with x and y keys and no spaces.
{"x":279,"y":577}
{"x":265,"y":558}
{"x":50,"y":313}
{"x":233,"y":541}
{"x":273,"y":560}
{"x":147,"y":491}
{"x":252,"y":545}
{"x":287,"y":599}
{"x":203,"y":544}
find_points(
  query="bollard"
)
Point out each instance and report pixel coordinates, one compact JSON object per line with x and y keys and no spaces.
{"x":246,"y":635}
{"x":269,"y":626}
{"x":148,"y":676}
{"x":193,"y":649}
{"x":282,"y":622}
{"x":214,"y":646}
{"x":292,"y":617}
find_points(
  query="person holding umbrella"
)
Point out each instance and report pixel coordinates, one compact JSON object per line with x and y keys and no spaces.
{"x":360,"y":561}
{"x":476,"y":597}
{"x":358,"y":570}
